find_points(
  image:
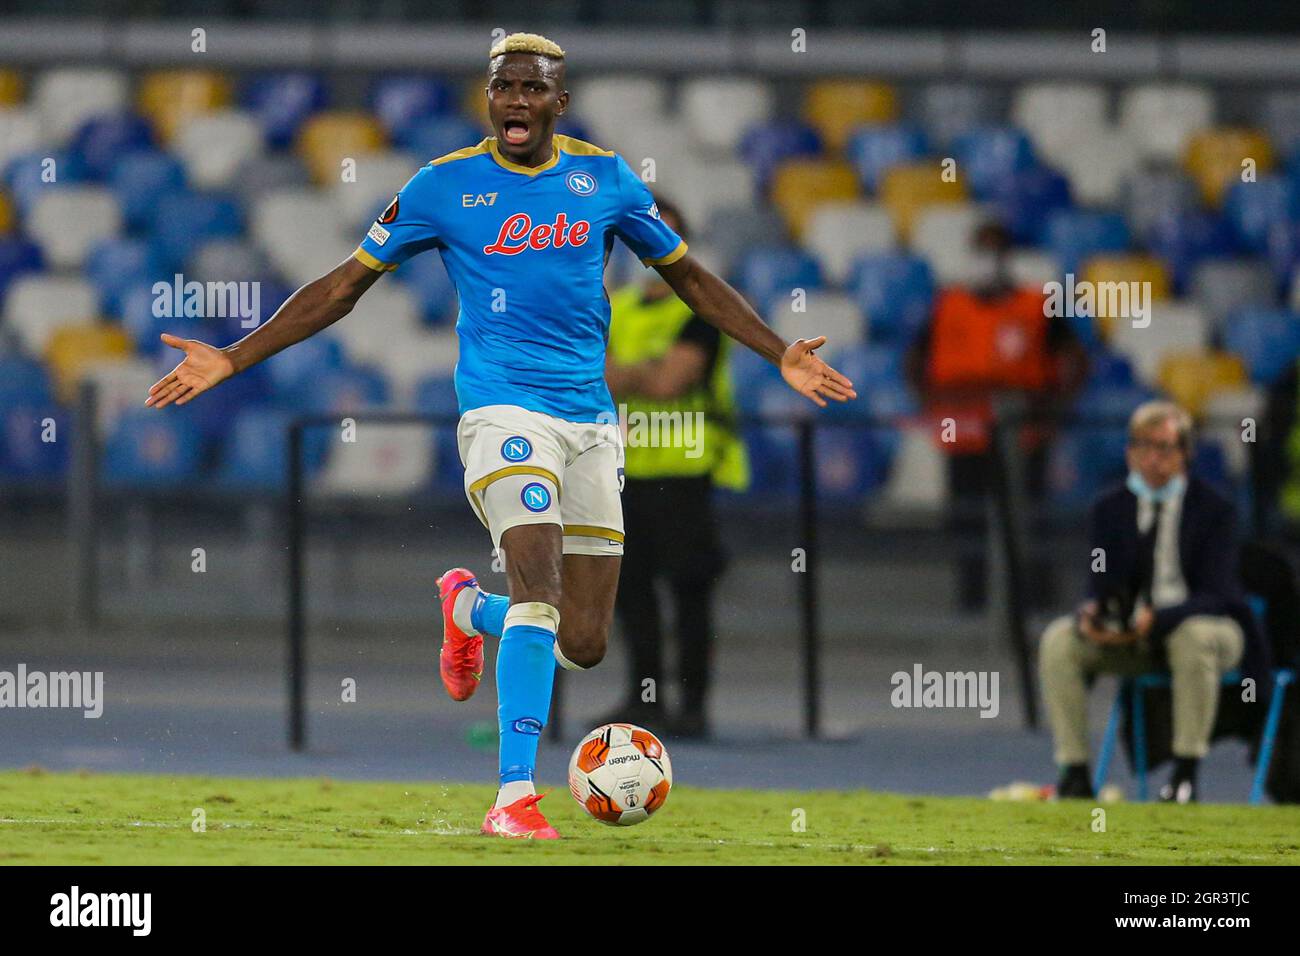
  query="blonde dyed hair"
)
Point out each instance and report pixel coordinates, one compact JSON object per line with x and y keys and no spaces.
{"x":1157,"y":411}
{"x":526,"y":43}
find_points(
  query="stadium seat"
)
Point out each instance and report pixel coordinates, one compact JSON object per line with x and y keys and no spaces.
{"x":839,"y":232}
{"x":767,"y":273}
{"x":290,"y":371}
{"x":1107,"y":369}
{"x":26,"y":453}
{"x":386,"y":315}
{"x":767,"y":144}
{"x":11,"y":87}
{"x":20,"y":133}
{"x":1032,"y":267}
{"x":605,"y":99}
{"x":1280,"y":118}
{"x":414,"y":354}
{"x":836,"y":107}
{"x":435,"y":136}
{"x":102,"y":140}
{"x":907,"y":190}
{"x":987,"y":155}
{"x":850,"y":463}
{"x":1192,"y":377}
{"x":184,"y":221}
{"x":224,"y":260}
{"x":27,"y":177}
{"x":36,"y":305}
{"x":918,"y":476}
{"x":799,"y":186}
{"x":1160,"y":118}
{"x":427,"y":279}
{"x":1184,"y":239}
{"x":379,"y":177}
{"x":1074,"y":235}
{"x":701,"y":189}
{"x":832,"y":314}
{"x":68,"y":222}
{"x":1221,"y":285}
{"x":146,"y":448}
{"x":327,"y":138}
{"x":281,"y":102}
{"x":171,"y":98}
{"x":1266,"y":340}
{"x":1057,"y":115}
{"x":945,"y":237}
{"x":1175,"y":327}
{"x":399,"y":102}
{"x":384,"y":459}
{"x":342,"y":391}
{"x":268,"y":173}
{"x":718,"y":110}
{"x":1254,"y":209}
{"x":74,"y":348}
{"x":874,"y":150}
{"x":140,"y":180}
{"x":1024,"y":200}
{"x":66,"y":97}
{"x":119,"y":388}
{"x":18,"y":256}
{"x":255,"y":453}
{"x":1156,"y":194}
{"x":300,"y":232}
{"x":1214,"y":158}
{"x":948,"y":109}
{"x":215,"y":146}
{"x":731,"y":230}
{"x":1124,"y":268}
{"x":115,"y":265}
{"x":1283,"y":251}
{"x":1223,"y":416}
{"x":895,"y":294}
{"x":1098,"y":166}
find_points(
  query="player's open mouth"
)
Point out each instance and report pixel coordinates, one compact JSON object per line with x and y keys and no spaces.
{"x":516,"y":132}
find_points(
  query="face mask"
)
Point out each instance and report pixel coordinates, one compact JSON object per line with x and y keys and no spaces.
{"x":1172,"y":488}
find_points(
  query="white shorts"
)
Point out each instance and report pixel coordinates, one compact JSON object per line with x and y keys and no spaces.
{"x":523,"y":467}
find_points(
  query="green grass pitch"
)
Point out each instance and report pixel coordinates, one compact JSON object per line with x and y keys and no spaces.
{"x":86,"y":818}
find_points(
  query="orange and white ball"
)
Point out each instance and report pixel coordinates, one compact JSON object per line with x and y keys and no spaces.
{"x":620,"y":774}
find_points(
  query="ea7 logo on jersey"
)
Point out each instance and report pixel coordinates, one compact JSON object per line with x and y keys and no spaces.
{"x":469,"y":200}
{"x":518,"y":233}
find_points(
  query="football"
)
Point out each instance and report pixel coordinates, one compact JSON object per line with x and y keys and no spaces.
{"x":620,"y":774}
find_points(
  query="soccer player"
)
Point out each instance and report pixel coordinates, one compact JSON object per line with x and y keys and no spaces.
{"x":524,"y":222}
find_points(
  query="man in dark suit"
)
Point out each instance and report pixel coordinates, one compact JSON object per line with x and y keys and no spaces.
{"x":1163,"y":593}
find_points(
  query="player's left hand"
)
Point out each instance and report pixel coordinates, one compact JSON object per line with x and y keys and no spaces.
{"x":810,"y":376}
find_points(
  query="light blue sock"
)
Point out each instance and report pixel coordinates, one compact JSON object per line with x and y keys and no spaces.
{"x":488,"y":615}
{"x":525,"y":673}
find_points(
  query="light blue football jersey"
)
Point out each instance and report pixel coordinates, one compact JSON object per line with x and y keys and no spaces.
{"x":526,"y":250}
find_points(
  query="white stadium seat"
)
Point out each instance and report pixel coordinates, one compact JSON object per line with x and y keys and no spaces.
{"x":67,"y":97}
{"x":1057,"y":115}
{"x":214,"y":146}
{"x":300,"y":232}
{"x":944,"y":235}
{"x":1223,"y":415}
{"x":384,"y":319}
{"x":224,"y":259}
{"x":701,"y":189}
{"x":1098,"y":165}
{"x":67,"y":222}
{"x":611,"y":105}
{"x":1175,"y":327}
{"x":379,"y":177}
{"x":831,"y":314}
{"x":839,"y":232}
{"x":384,"y":459}
{"x":718,"y":110}
{"x":1032,"y":268}
{"x":1160,"y":117}
{"x":36,"y":305}
{"x":20,"y":132}
{"x":413,"y":355}
{"x":118,"y":387}
{"x":918,"y":478}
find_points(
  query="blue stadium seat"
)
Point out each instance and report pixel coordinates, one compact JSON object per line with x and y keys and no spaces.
{"x":214,"y":413}
{"x":21,"y":379}
{"x":402,"y":102}
{"x":140,"y":179}
{"x":432,"y":136}
{"x":752,"y":374}
{"x":149,"y":447}
{"x":1253,"y":209}
{"x":1284,"y":250}
{"x":18,"y":256}
{"x":117,"y":265}
{"x":1075,"y":234}
{"x":25,"y":175}
{"x":292,"y":369}
{"x":255,"y":454}
{"x":1183,"y":239}
{"x":771,"y":272}
{"x":850,"y":463}
{"x":873,"y":150}
{"x":282,"y":101}
{"x":986,"y":156}
{"x":344,"y":390}
{"x":1103,"y":434}
{"x":428,"y":279}
{"x":24,"y":452}
{"x":1026,"y":198}
{"x":1107,"y":369}
{"x":436,"y":395}
{"x":1267,"y":340}
{"x":184,"y":221}
{"x":103,"y":140}
{"x":895,"y":293}
{"x":766,"y":145}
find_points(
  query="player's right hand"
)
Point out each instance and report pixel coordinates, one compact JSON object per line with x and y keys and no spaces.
{"x":203,"y":367}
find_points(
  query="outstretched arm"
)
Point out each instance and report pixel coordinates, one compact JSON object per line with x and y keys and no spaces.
{"x":722,"y":306}
{"x":315,"y":306}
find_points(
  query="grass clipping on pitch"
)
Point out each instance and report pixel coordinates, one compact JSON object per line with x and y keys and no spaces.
{"x":87,"y":818}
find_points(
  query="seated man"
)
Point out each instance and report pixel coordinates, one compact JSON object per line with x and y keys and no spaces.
{"x":1163,"y":593}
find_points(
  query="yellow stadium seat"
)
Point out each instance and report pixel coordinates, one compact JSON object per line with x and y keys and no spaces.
{"x":1124,"y":268}
{"x":801,"y":185}
{"x":835,"y":107}
{"x":75,"y":348}
{"x":1192,"y":378}
{"x":6,"y":213}
{"x":11,"y":88}
{"x":908,"y":189}
{"x":328,"y":138}
{"x":1214,"y":159}
{"x":475,"y":107}
{"x":169,"y":98}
